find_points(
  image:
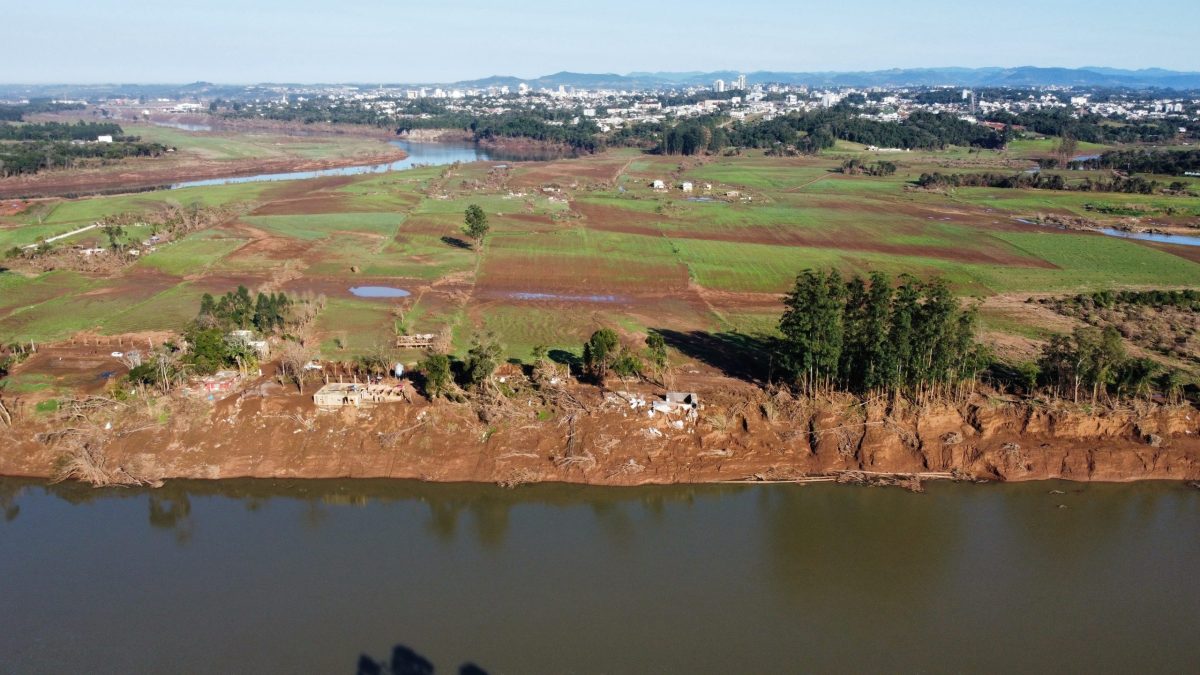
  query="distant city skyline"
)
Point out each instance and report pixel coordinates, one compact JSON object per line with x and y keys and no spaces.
{"x":378,"y":41}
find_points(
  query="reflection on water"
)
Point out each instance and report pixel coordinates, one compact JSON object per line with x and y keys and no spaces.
{"x":559,"y":578}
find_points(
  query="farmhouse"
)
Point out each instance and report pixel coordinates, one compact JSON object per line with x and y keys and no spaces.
{"x":687,"y":186}
{"x":245,"y":337}
{"x":658,"y":185}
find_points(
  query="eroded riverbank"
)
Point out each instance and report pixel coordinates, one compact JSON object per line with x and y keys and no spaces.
{"x":736,"y":437}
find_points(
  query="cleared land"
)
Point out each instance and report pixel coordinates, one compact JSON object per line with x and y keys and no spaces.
{"x":582,"y":243}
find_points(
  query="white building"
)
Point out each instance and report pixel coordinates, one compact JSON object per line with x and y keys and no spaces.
{"x":719,"y":86}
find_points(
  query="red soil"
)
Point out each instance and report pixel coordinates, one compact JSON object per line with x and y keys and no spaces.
{"x":984,"y":250}
{"x":739,"y":436}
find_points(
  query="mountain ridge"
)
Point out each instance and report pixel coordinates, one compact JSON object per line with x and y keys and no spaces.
{"x":1020,"y":76}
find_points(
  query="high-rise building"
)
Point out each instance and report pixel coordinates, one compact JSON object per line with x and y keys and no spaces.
{"x":741,"y":82}
{"x":719,"y":86}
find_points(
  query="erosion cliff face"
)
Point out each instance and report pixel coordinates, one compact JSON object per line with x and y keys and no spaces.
{"x":610,"y":442}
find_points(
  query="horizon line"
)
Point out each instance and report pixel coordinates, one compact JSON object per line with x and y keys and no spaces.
{"x":629,"y":74}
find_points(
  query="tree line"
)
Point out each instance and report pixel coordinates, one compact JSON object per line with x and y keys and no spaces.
{"x":30,"y":157}
{"x":873,"y":335}
{"x":1167,"y":162}
{"x":59,"y":131}
{"x":913,"y":337}
{"x":1157,"y":299}
{"x":1093,"y":362}
{"x":1042,"y":181}
{"x":857,"y":167}
{"x":16,"y":113}
{"x":581,"y":136}
{"x":1089,"y":128}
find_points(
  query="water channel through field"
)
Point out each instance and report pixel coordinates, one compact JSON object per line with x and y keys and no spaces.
{"x":307,"y":577}
{"x":419,"y":154}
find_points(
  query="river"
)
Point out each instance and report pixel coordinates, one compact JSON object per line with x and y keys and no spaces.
{"x":299,"y":577}
{"x":419,"y":154}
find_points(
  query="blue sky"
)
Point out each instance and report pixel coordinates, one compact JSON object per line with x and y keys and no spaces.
{"x":82,"y":41}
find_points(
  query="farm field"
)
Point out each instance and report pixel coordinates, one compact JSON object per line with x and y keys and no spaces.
{"x":582,"y":243}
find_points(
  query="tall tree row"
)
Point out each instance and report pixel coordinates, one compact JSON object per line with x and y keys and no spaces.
{"x":870,"y":335}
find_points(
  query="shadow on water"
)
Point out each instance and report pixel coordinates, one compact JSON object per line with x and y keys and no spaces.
{"x":746,"y":357}
{"x":405,"y":661}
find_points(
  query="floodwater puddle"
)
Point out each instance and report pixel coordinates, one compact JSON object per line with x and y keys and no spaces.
{"x":1179,"y":239}
{"x":525,"y":295}
{"x":184,"y":126}
{"x":379,"y":292}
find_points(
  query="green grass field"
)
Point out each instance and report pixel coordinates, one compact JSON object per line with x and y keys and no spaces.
{"x":553,"y":270}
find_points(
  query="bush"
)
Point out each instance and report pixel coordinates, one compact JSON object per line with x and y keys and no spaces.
{"x":436,"y":368}
{"x":600,"y":351}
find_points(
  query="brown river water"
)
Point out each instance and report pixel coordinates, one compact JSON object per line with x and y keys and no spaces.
{"x":313,"y":576}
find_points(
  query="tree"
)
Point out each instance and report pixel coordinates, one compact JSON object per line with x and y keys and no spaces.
{"x":1089,"y":357}
{"x":292,"y":364}
{"x":867,"y":337}
{"x":656,"y":352}
{"x":1136,"y":376}
{"x":475,"y":224}
{"x":1067,"y":147}
{"x":436,"y":368}
{"x":114,"y":233}
{"x":482,"y":359}
{"x":812,"y":327}
{"x":600,"y":351}
{"x":206,"y":350}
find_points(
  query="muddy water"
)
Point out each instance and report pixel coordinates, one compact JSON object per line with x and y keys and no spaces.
{"x":306,"y":577}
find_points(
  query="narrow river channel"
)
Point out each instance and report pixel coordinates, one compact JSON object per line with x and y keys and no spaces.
{"x":299,"y":577}
{"x":419,"y":154}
